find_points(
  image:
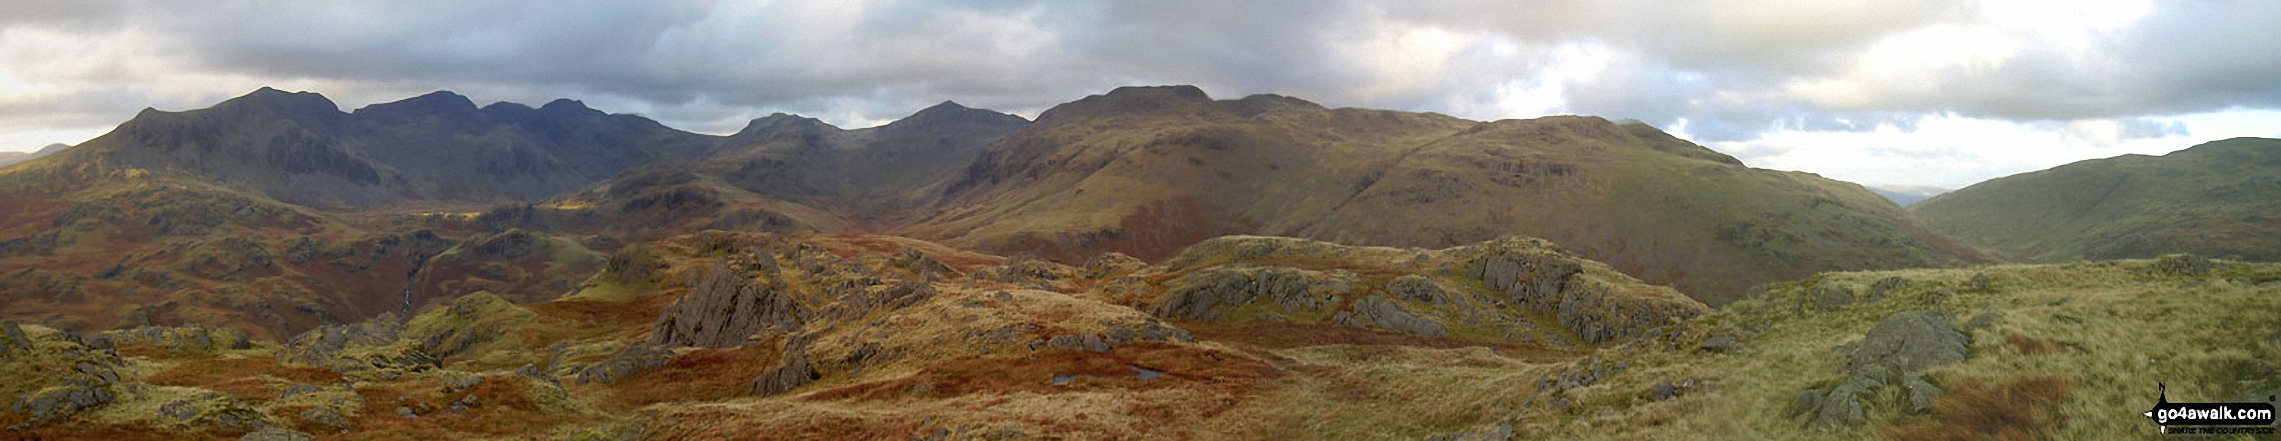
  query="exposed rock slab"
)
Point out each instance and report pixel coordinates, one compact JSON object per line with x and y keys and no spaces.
{"x":724,"y":309}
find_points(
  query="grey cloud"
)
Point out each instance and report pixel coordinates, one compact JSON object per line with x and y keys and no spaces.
{"x":704,"y":65}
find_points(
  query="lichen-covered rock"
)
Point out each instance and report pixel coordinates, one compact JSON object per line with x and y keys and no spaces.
{"x":795,"y":371}
{"x":51,"y":374}
{"x":1386,"y":314}
{"x":1893,"y":354}
{"x":1418,"y":288}
{"x":633,"y":264}
{"x":210,"y":411}
{"x":896,"y":295}
{"x":636,"y":358}
{"x":1831,"y":297}
{"x":1905,"y":342}
{"x":1841,"y":404}
{"x":1878,"y":290}
{"x":325,"y":417}
{"x":921,"y":266}
{"x":1078,"y":342}
{"x":1202,"y":295}
{"x":12,"y":338}
{"x":1663,"y":391}
{"x":317,"y":346}
{"x":1515,"y":288}
{"x":371,"y":350}
{"x":185,"y":338}
{"x":1807,"y":402}
{"x":725,"y":309}
{"x":1921,"y":392}
{"x":1110,"y":263}
{"x":1027,"y":271}
{"x":1597,"y":304}
{"x":1535,"y":279}
{"x":73,"y":397}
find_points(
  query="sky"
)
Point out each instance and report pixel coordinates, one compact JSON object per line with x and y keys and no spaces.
{"x":1882,"y":92}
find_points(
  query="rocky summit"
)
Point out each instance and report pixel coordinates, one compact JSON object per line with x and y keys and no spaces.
{"x":1146,"y":263}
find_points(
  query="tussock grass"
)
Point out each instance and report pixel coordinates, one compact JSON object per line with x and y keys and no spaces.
{"x":2076,"y":353}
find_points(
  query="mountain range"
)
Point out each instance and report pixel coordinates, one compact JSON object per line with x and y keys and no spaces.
{"x":1147,"y":260}
{"x":1905,"y":195}
{"x":1142,"y":171}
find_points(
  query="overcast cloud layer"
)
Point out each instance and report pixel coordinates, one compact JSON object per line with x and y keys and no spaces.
{"x":1925,"y":92}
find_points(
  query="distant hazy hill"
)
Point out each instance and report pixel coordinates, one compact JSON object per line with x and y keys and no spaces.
{"x":864,"y":170}
{"x":1147,"y":170}
{"x":1904,"y":195}
{"x":12,"y":158}
{"x":2216,"y":199}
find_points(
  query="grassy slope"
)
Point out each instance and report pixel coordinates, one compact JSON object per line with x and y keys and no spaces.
{"x":2217,"y":199}
{"x":2104,"y":332}
{"x":1100,"y":174}
{"x":1146,"y":171}
{"x":2107,"y":331}
{"x":1651,"y":205}
{"x":131,"y":247}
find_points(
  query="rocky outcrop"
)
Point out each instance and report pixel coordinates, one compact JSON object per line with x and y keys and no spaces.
{"x":855,"y":298}
{"x":793,"y":372}
{"x":1203,"y":295}
{"x":1027,"y":271}
{"x":634,"y":359}
{"x":72,"y":397}
{"x":1908,"y":341}
{"x":1075,"y":342}
{"x":1420,"y":289}
{"x":51,"y":375}
{"x":1830,"y":297}
{"x":921,"y":266}
{"x":316,"y":345}
{"x":12,"y":339}
{"x":1113,"y":335}
{"x":1110,"y":263}
{"x":632,"y":264}
{"x":1884,"y":286}
{"x":1515,"y":288}
{"x":1386,"y":314}
{"x":372,"y":349}
{"x":1894,"y":354}
{"x":186,"y":338}
{"x":212,"y":410}
{"x":1542,"y":279}
{"x":724,"y":309}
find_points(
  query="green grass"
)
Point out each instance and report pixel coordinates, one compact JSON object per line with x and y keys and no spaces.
{"x":2118,"y":333}
{"x":2215,"y":199}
